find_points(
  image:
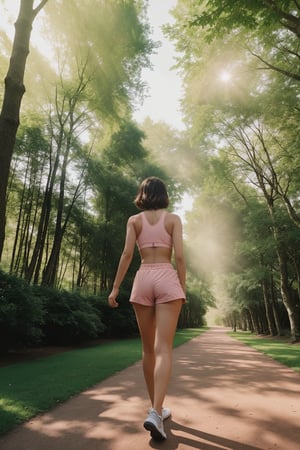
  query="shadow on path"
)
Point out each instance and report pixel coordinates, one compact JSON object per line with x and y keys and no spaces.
{"x":194,"y":438}
{"x":223,"y":395}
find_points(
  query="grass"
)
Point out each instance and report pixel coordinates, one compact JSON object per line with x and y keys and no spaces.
{"x":30,"y":388}
{"x":280,"y":350}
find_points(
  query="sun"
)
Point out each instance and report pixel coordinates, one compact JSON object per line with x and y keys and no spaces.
{"x":225,"y":76}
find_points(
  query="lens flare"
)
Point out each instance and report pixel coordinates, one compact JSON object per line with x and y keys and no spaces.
{"x":225,"y":76}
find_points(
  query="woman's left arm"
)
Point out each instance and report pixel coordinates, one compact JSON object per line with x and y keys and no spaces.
{"x":125,"y":260}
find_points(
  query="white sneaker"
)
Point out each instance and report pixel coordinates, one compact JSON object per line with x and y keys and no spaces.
{"x":154,"y":424}
{"x":165,"y":413}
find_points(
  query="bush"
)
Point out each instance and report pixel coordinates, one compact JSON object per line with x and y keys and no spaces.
{"x":21,"y":314}
{"x":120,"y":322}
{"x":35,"y":315}
{"x":70,"y":318}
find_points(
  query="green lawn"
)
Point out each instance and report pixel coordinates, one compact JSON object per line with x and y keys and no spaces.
{"x":280,"y":350}
{"x":29,"y":388}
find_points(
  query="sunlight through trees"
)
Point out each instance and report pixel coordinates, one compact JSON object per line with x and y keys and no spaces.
{"x":71,"y":155}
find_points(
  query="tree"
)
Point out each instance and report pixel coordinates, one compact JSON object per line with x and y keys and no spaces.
{"x":272,"y":24}
{"x":248,"y":127}
{"x":29,"y":164}
{"x":13,"y":93}
{"x":110,"y":38}
{"x":66,"y":127}
{"x":252,"y":147}
{"x":111,"y":47}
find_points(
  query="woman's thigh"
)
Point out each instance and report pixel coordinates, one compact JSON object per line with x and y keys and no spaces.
{"x":145,"y":316}
{"x":166,"y":318}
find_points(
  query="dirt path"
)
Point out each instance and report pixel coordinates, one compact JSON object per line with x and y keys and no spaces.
{"x":224,"y":396}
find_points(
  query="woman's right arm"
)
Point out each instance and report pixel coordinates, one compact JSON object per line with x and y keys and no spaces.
{"x":178,"y":250}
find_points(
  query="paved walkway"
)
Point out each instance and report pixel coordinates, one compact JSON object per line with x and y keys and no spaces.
{"x":224,"y":395}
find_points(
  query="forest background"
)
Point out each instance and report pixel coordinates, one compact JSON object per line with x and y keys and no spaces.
{"x":79,"y":156}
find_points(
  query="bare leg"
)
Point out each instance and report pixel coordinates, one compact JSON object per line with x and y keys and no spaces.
{"x":166,"y":315}
{"x":145,"y":316}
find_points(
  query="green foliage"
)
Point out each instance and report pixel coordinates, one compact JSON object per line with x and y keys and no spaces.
{"x":38,"y":315}
{"x":70,"y":317}
{"x":244,"y":128}
{"x":22,"y":314}
{"x":219,"y":17}
{"x":270,"y":30}
{"x":199,"y":299}
{"x":111,"y":39}
{"x":119,"y":322}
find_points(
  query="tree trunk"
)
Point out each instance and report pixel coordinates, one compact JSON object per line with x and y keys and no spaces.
{"x":275,"y":307}
{"x":18,"y":232}
{"x":288,"y":301}
{"x":50,"y":272}
{"x":268,"y":307}
{"x":36,"y":257}
{"x":37,"y":254}
{"x":13,"y":92}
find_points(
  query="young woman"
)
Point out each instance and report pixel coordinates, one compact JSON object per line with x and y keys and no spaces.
{"x":158,"y":290}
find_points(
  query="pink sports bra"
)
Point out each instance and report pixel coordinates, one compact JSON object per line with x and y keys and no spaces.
{"x":154,"y":235}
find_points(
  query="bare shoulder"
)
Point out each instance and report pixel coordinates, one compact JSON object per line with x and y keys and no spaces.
{"x":173,"y":223}
{"x":135,"y":222}
{"x":173,"y":218}
{"x":136,"y":218}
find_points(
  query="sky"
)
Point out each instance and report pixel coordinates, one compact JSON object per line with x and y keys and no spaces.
{"x":163,"y":102}
{"x":164,"y":84}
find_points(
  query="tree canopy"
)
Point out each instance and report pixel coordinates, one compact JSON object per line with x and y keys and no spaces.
{"x":77,"y":157}
{"x":240,"y":66}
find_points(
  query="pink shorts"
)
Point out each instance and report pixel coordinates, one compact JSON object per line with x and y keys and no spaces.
{"x":156,"y":283}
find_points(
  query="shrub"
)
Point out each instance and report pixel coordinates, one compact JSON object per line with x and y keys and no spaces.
{"x":120,"y":322}
{"x":70,"y":318}
{"x":21,"y":314}
{"x":34,"y":315}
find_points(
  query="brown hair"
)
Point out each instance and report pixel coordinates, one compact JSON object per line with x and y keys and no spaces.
{"x":152,"y":194}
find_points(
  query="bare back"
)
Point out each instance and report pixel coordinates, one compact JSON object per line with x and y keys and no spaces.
{"x":151,"y":255}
